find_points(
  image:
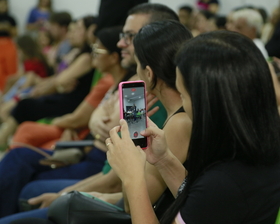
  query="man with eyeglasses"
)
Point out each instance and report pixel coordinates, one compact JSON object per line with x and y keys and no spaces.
{"x":138,"y":17}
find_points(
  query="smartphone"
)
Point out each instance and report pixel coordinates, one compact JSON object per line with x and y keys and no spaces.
{"x":133,"y":108}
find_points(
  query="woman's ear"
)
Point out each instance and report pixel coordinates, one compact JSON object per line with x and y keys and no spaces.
{"x":149,"y":73}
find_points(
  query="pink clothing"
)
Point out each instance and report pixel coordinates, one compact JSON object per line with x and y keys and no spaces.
{"x":178,"y":219}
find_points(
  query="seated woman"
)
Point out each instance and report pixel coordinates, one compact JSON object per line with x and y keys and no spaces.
{"x":107,"y":60}
{"x":73,"y":124}
{"x":75,"y":82}
{"x":159,"y":76}
{"x":234,"y":141}
{"x":39,"y":15}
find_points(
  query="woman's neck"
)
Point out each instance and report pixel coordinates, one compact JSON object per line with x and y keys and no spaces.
{"x":169,"y":98}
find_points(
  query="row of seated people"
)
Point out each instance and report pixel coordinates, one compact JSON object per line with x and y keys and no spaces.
{"x":28,"y":178}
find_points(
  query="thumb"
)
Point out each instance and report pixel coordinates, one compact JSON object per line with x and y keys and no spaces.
{"x":151,"y":131}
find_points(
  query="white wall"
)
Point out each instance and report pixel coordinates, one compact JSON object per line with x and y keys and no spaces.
{"x":20,"y":8}
{"x":139,"y":104}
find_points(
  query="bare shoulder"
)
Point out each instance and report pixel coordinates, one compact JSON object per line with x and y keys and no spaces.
{"x":177,"y":132}
{"x":178,"y":123}
{"x":134,"y":78}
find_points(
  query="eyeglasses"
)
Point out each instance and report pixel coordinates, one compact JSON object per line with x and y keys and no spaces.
{"x":128,"y":37}
{"x":96,"y":51}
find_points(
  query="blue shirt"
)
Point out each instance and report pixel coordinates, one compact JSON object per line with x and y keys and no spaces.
{"x":36,"y":15}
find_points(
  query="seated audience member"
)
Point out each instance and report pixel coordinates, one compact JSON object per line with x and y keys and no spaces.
{"x":204,"y":21}
{"x":208,"y":5}
{"x":58,"y":27}
{"x":161,"y":83}
{"x":33,"y":62}
{"x":8,"y":52}
{"x":272,"y":46}
{"x":107,"y":61}
{"x":45,"y":41}
{"x":185,"y":16}
{"x":269,"y":25}
{"x":72,"y":85}
{"x":39,"y":15}
{"x":249,"y":23}
{"x":221,"y":22}
{"x":226,"y":160}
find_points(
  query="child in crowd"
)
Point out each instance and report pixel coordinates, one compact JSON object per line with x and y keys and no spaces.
{"x":33,"y":65}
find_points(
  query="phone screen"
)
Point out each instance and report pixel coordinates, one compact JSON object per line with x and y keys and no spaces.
{"x":134,"y":110}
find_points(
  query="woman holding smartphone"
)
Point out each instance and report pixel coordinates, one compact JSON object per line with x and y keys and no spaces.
{"x":233,"y":155}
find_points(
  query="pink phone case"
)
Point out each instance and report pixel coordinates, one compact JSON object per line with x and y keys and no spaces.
{"x":121,"y":98}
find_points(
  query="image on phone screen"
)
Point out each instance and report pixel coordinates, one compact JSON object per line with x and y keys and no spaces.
{"x":134,"y":111}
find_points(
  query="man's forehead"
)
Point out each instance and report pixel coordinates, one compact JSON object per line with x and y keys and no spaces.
{"x":135,"y":22}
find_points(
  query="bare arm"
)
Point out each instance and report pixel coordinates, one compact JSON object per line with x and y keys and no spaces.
{"x":76,"y":70}
{"x":177,"y":133}
{"x":171,"y":168}
{"x":78,"y":119}
{"x":108,"y":183}
{"x":103,"y":183}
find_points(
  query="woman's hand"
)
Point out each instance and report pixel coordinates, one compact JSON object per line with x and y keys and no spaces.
{"x":157,"y":147}
{"x":127,"y":160}
{"x":44,"y":199}
{"x":69,"y":135}
{"x":151,"y":100}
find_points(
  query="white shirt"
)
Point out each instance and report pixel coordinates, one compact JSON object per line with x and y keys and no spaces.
{"x":260,"y":45}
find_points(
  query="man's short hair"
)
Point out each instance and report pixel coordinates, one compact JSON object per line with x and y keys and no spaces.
{"x":61,"y":18}
{"x":252,"y":16}
{"x":156,"y":11}
{"x":187,"y":8}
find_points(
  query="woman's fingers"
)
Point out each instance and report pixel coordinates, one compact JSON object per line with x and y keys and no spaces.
{"x":124,"y":129}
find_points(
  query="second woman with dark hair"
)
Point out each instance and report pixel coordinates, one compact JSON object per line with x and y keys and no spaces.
{"x":233,"y":157}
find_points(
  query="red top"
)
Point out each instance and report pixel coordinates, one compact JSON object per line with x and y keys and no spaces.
{"x":35,"y":66}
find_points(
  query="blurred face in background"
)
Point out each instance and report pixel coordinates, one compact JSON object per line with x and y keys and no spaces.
{"x":56,"y":31}
{"x":79,"y":34}
{"x":241,"y":26}
{"x":102,"y":59}
{"x":70,"y":33}
{"x":185,"y":18}
{"x":202,"y":24}
{"x":3,"y":6}
{"x":275,"y":16}
{"x":45,"y":3}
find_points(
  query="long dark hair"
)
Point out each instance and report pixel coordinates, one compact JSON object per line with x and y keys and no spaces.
{"x":234,"y":107}
{"x":156,"y":45}
{"x":87,"y":21}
